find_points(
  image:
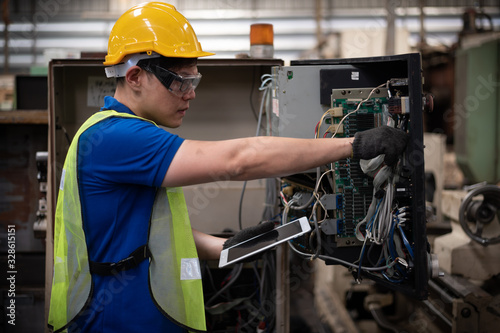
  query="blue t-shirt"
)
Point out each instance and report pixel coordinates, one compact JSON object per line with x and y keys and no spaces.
{"x":121,"y":163}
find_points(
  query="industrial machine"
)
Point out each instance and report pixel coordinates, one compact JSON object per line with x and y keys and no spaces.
{"x":469,"y":296}
{"x":367,"y":216}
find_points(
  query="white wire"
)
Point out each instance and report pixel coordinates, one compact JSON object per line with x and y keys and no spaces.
{"x":357,"y":108}
{"x":266,"y":85}
{"x":343,"y":262}
{"x":284,"y":215}
{"x":382,"y":222}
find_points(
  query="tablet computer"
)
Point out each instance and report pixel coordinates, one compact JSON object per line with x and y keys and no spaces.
{"x":264,"y":241}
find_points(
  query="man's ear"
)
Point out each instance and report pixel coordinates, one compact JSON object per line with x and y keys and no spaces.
{"x":134,"y":77}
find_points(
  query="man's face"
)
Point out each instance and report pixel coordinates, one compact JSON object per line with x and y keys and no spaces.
{"x":163,"y":106}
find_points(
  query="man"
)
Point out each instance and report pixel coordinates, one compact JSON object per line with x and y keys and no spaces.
{"x":126,"y":258}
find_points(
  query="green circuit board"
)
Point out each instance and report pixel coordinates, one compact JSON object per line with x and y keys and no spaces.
{"x":353,"y":188}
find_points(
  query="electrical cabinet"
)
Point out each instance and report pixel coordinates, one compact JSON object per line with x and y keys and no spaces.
{"x":374,"y":226}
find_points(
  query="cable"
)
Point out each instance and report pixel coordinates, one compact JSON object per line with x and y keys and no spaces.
{"x":270,"y":203}
{"x":291,"y":203}
{"x":284,"y":215}
{"x":401,"y":217}
{"x":384,"y":218}
{"x":318,"y":236}
{"x":357,"y":108}
{"x":304,"y":206}
{"x":346,"y":263}
{"x":235,"y":273}
{"x":207,"y":271}
{"x":240,"y":206}
{"x":268,"y":265}
{"x":378,"y":230}
{"x":251,"y":94}
{"x":368,"y":256}
{"x":361,"y":260}
{"x":369,"y":226}
{"x":405,"y":241}
{"x":370,"y":269}
{"x":392,"y":249}
{"x":266,"y":86}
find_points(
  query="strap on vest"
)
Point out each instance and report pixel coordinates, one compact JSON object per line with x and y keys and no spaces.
{"x":132,"y":261}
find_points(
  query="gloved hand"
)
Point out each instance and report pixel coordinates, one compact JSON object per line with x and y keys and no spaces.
{"x":251,"y":232}
{"x":380,"y":140}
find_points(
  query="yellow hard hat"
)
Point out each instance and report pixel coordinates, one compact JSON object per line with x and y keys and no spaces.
{"x":153,"y":27}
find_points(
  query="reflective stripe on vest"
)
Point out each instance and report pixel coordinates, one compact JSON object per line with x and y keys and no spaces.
{"x":174,"y":270}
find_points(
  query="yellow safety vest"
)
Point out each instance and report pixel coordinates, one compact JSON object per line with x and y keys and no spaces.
{"x":174,"y":270}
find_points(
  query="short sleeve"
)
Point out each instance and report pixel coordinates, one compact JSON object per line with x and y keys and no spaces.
{"x":127,"y":150}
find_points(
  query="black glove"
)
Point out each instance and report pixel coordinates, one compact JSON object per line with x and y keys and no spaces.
{"x":380,"y":140}
{"x":250,"y":232}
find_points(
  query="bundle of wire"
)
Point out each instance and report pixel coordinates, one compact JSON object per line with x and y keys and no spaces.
{"x":255,"y":308}
{"x":252,"y":309}
{"x":315,"y":202}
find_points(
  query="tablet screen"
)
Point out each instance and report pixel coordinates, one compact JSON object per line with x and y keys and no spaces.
{"x":284,"y":232}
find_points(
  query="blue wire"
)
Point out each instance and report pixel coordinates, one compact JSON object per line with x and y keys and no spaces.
{"x":390,"y":279}
{"x":405,"y":241}
{"x":392,"y":250}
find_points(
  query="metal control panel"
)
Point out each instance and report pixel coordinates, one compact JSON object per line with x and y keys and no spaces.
{"x":366,"y":216}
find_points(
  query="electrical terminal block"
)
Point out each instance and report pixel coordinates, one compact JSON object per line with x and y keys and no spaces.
{"x":330,"y":226}
{"x":399,"y":105}
{"x":405,"y":105}
{"x":402,"y":261}
{"x":330,"y":201}
{"x":398,"y":82}
{"x":337,"y":111}
{"x":339,"y":201}
{"x":336,"y":128}
{"x":302,"y":198}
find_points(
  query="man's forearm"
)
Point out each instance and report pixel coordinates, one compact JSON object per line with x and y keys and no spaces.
{"x":208,"y":246}
{"x":272,"y":156}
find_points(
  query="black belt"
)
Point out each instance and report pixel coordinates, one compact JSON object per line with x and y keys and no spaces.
{"x":111,"y":268}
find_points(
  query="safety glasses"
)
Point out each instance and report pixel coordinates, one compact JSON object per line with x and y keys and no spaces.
{"x":177,"y":84}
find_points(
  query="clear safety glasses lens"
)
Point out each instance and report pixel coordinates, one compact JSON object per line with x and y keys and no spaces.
{"x":177,"y":84}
